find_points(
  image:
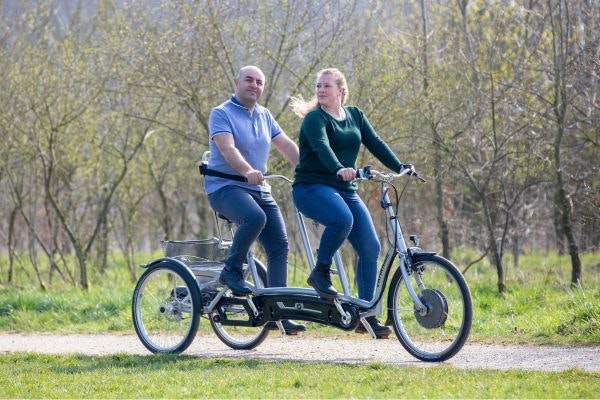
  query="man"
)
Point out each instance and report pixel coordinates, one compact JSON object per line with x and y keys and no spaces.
{"x":241,"y":133}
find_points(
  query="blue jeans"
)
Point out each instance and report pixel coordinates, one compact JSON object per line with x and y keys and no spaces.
{"x":257,"y":216}
{"x":344,"y":216}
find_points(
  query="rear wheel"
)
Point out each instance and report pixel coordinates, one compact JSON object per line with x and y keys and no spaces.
{"x":239,"y":337}
{"x":163,"y":311}
{"x":438,"y":333}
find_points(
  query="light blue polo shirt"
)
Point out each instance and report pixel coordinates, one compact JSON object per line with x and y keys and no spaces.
{"x":252,"y":134}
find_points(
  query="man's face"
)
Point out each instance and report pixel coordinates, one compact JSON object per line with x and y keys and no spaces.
{"x":249,"y":86}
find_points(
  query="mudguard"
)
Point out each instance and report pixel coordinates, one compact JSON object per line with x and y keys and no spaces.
{"x":186,"y":274}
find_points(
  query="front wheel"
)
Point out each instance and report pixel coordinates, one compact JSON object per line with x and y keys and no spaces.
{"x":165,"y":308}
{"x":440,"y":331}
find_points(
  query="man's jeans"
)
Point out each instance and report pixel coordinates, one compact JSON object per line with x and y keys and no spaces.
{"x":344,"y":216}
{"x":257,"y":217}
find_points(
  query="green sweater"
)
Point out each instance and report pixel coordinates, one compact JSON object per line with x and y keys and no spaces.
{"x":327,"y":145}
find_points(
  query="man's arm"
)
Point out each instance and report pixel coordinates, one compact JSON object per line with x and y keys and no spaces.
{"x":232,"y":155}
{"x":287,"y":147}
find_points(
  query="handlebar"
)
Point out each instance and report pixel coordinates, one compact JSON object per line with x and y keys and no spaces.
{"x":366,"y":173}
{"x":273,"y":177}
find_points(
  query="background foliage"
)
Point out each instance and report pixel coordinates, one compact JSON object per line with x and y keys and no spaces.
{"x":104,"y":109}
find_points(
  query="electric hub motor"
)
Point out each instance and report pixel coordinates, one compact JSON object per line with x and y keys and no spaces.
{"x":437,"y":309}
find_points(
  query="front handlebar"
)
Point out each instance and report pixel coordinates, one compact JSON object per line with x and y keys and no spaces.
{"x":366,"y":173}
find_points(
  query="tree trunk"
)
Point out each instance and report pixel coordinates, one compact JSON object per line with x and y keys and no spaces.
{"x":493,"y":245}
{"x":439,"y":188}
{"x":560,"y":23}
{"x":11,"y":250}
{"x":564,"y":207}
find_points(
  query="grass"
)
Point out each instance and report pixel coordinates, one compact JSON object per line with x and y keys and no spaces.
{"x":539,"y":307}
{"x":125,"y":376}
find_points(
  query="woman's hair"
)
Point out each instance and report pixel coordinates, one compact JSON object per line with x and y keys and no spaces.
{"x":301,"y":107}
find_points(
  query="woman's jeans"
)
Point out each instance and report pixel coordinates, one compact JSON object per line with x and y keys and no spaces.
{"x":344,"y":216}
{"x":258,"y":217}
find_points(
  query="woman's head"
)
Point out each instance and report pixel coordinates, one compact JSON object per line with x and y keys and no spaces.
{"x":331,"y":77}
{"x":336,"y":81}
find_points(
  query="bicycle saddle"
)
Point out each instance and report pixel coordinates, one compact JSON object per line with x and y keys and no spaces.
{"x":219,"y":215}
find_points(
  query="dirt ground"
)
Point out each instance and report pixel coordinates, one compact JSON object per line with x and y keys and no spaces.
{"x":309,"y":349}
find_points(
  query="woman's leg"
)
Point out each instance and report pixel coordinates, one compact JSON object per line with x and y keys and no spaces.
{"x":325,"y":205}
{"x":363,"y":238}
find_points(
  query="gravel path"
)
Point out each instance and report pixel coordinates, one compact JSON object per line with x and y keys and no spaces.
{"x":310,"y":349}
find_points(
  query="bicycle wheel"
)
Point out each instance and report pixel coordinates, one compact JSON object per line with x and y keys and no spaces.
{"x":239,"y":337}
{"x":163,"y":308}
{"x":442,"y":330}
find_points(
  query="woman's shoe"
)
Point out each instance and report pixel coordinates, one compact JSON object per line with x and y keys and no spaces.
{"x":320,"y":280}
{"x":381,"y":331}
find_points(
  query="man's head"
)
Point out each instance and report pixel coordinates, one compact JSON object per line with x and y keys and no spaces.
{"x":249,"y":85}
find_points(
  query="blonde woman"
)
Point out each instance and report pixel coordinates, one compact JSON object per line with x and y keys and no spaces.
{"x":330,"y":138}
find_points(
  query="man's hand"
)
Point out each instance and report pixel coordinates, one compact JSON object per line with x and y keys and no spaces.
{"x":234,"y":158}
{"x":254,"y":177}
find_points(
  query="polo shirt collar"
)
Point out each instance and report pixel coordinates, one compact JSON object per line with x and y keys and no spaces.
{"x":237,"y":103}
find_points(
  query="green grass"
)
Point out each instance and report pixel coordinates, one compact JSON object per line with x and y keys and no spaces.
{"x":539,"y":306}
{"x":125,"y":376}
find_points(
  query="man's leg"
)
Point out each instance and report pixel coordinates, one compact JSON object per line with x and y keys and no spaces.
{"x":240,"y":206}
{"x":273,"y":239}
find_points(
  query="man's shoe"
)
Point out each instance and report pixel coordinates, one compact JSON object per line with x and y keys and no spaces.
{"x":320,"y":280}
{"x":234,"y":280}
{"x":290,"y":327}
{"x":180,"y":292}
{"x":381,"y":331}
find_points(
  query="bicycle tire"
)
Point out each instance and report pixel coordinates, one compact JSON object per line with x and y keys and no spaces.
{"x":240,"y":337}
{"x":443,"y":330}
{"x":166,"y":308}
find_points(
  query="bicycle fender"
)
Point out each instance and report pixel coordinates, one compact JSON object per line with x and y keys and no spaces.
{"x":419,"y":256}
{"x":414,"y":252}
{"x":183,"y":270}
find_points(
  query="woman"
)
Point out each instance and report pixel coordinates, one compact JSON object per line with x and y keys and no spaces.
{"x":330,"y":138}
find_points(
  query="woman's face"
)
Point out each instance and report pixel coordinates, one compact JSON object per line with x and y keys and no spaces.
{"x":329,"y":94}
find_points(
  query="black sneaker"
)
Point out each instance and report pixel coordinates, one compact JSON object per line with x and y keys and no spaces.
{"x":290,"y":327}
{"x":234,"y":280}
{"x":180,"y":292}
{"x":381,"y":331}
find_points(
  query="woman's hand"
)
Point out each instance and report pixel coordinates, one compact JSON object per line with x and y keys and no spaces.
{"x":346,"y":174}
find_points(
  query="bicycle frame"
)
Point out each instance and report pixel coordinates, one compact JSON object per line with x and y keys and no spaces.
{"x":177,"y":290}
{"x":367,"y":307}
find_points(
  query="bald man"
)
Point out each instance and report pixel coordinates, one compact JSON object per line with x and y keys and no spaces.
{"x":241,"y":134}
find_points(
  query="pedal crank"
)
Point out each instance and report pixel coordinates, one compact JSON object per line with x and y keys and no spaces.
{"x":252,"y":306}
{"x":346,"y":317}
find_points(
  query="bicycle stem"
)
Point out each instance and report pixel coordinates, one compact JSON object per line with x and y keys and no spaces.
{"x":400,"y":246}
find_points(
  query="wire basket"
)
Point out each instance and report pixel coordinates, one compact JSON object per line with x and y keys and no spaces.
{"x":196,"y":250}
